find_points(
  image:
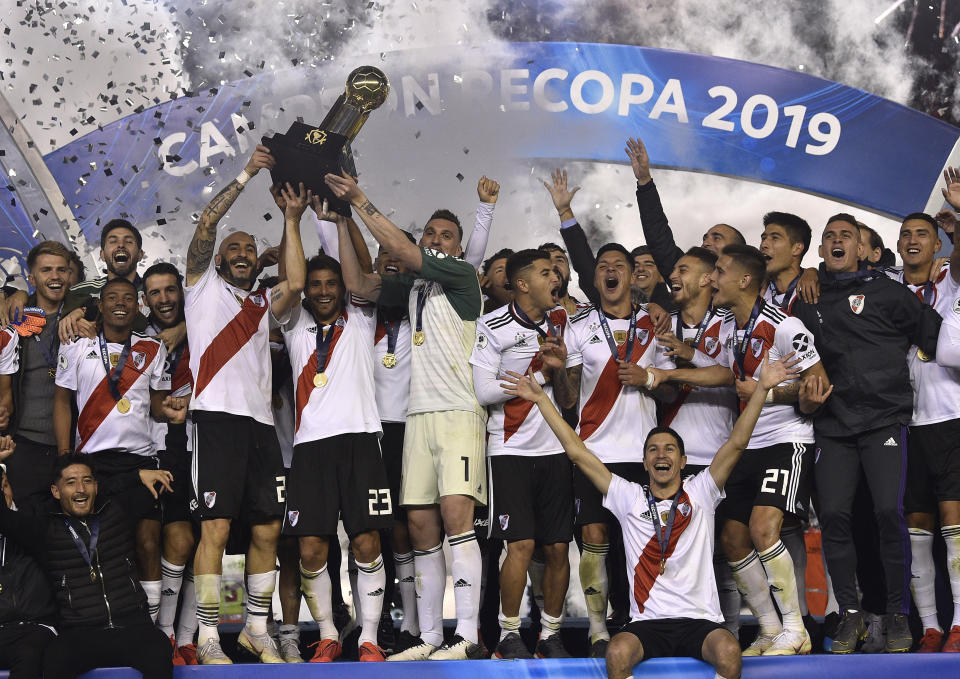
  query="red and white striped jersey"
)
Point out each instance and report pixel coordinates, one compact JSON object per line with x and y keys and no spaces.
{"x":346,"y":402}
{"x":9,"y":351}
{"x":229,"y":333}
{"x":505,"y":342}
{"x":181,"y":384}
{"x":687,"y":588}
{"x":614,"y":419}
{"x":100,"y":425}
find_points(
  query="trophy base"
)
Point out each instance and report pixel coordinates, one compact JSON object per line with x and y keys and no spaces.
{"x":298,"y":159}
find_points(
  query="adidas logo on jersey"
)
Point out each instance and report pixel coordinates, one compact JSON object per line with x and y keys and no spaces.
{"x":461,"y":583}
{"x":890,"y":442}
{"x":92,"y":354}
{"x":594,"y":340}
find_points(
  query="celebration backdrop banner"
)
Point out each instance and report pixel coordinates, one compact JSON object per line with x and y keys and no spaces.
{"x":531,"y":100}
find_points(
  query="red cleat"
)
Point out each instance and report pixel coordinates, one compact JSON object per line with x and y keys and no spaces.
{"x":953,"y":641}
{"x":188,"y":652}
{"x":177,"y":658}
{"x":370,"y":653}
{"x":328,"y":650}
{"x":931,"y":642}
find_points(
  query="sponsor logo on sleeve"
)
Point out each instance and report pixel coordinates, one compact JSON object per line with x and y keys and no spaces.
{"x":482,"y":341}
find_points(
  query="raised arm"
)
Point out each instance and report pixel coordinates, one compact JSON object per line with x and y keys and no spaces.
{"x":581,"y":256}
{"x":386,"y":232}
{"x":358,"y":281}
{"x":286,"y":293}
{"x":488,"y":191}
{"x":951,"y":176}
{"x":201,"y":247}
{"x":729,"y":453}
{"x":656,"y":229}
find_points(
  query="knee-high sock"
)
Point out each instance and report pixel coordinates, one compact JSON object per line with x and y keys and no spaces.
{"x":535,"y":570}
{"x":352,"y":575}
{"x":729,"y":594}
{"x":371,"y":581}
{"x":406,"y":575}
{"x":593,"y":579}
{"x":431,"y":581}
{"x":172,"y":579}
{"x":187,"y":623}
{"x":260,"y":588}
{"x":152,"y":589}
{"x":467,"y":571}
{"x":783,"y":582}
{"x":951,"y":535}
{"x":792,"y":538}
{"x":922,"y":573}
{"x":751,"y":580}
{"x":208,"y":606}
{"x":316,"y":590}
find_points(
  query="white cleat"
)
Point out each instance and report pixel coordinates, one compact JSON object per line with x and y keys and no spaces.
{"x":261,"y":645}
{"x":210,"y":653}
{"x":759,"y":645}
{"x":458,"y":649}
{"x":421,"y":651}
{"x":290,"y":649}
{"x":790,"y":642}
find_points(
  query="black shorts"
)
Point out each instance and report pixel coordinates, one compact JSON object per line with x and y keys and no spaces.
{"x":237,"y":467}
{"x":175,"y":506}
{"x":531,"y":498}
{"x":588,"y":501}
{"x":933,"y":466}
{"x":672,"y":637}
{"x":391,"y":445}
{"x":113,"y":468}
{"x":775,"y":476}
{"x":338,"y":477}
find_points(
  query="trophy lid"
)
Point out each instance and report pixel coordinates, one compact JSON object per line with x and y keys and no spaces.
{"x":367,"y":88}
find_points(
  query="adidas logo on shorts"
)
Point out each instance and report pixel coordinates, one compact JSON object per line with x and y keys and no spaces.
{"x":890,"y":442}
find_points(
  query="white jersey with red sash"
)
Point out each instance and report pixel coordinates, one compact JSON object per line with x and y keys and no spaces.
{"x":687,"y":587}
{"x":9,"y":351}
{"x":505,"y":341}
{"x":392,"y":375}
{"x":936,"y":390}
{"x":343,"y":400}
{"x":176,"y":369}
{"x":703,"y":416}
{"x":785,"y":299}
{"x":102,"y":423}
{"x":229,"y":333}
{"x":614,"y":419}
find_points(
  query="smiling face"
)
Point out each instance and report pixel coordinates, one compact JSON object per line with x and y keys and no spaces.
{"x":718,"y":237}
{"x":387,"y":264}
{"x":163,"y":296}
{"x":442,"y":234}
{"x":118,"y":306}
{"x":687,"y":279}
{"x":120,"y":252}
{"x":76,"y":489}
{"x":541,"y":283}
{"x":918,"y":243}
{"x":662,"y":459}
{"x":324,"y":294}
{"x":645,"y":274}
{"x":236,"y":261}
{"x":49,"y":276}
{"x":612,"y":277}
{"x":562,"y":265}
{"x":496,"y":287}
{"x":777,"y":250}
{"x":840,"y":246}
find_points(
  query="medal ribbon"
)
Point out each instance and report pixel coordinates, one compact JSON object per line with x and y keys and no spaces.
{"x":50,"y":351}
{"x":113,"y":374}
{"x":740,"y":348}
{"x":85,"y":552}
{"x":323,"y":344}
{"x":552,"y":330}
{"x":631,"y":334}
{"x":929,"y":288}
{"x":663,"y":536}
{"x":393,"y":332}
{"x":786,"y":296}
{"x":421,"y":302}
{"x":174,"y":356}
{"x":701,"y":328}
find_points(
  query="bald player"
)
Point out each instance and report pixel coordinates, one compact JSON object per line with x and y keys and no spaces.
{"x":237,"y":464}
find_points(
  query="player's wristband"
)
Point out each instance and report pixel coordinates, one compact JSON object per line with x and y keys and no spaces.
{"x":650,"y":380}
{"x":769,"y":398}
{"x":244,"y":177}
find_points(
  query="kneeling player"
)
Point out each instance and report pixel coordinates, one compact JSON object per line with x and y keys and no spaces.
{"x":336,"y":467}
{"x":668,"y":535}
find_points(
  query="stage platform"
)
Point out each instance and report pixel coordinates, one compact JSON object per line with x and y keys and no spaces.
{"x":911,"y":666}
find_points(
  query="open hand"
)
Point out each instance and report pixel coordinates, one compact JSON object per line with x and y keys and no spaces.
{"x":151,"y":477}
{"x":639,"y":160}
{"x":344,"y":187}
{"x":296,"y":201}
{"x":675,"y":347}
{"x":260,"y":159}
{"x":951,"y":194}
{"x":558,"y":190}
{"x":775,"y":372}
{"x":553,"y":353}
{"x":524,"y":386}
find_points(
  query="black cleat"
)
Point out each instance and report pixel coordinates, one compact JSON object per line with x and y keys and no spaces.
{"x":850,"y":632}
{"x":551,"y":647}
{"x":598,"y":649}
{"x":899,"y":637}
{"x":511,"y":647}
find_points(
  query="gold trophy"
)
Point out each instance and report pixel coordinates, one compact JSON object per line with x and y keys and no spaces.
{"x":307,"y":152}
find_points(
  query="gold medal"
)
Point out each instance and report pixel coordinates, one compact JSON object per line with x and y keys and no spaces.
{"x":663,"y":566}
{"x":389,"y":361}
{"x":541,"y":339}
{"x":924,"y":356}
{"x":123,"y":405}
{"x":320,"y":380}
{"x":419,"y":337}
{"x":93,"y":575}
{"x":619,"y":336}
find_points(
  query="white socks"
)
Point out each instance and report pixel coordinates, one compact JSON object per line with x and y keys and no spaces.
{"x":371,"y":580}
{"x":187,"y":625}
{"x":922,"y":573}
{"x":208,"y":606}
{"x":751,"y":580}
{"x":951,"y":535}
{"x":593,"y":579}
{"x":508,"y":625}
{"x":783,"y":581}
{"x":316,"y":590}
{"x":431,"y":581}
{"x":260,"y":588}
{"x":549,"y":625}
{"x":152,"y":589}
{"x":467,"y":571}
{"x":406,"y":577}
{"x":169,"y":595}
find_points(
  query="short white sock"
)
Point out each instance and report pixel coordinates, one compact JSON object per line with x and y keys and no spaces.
{"x":208,"y":606}
{"x":593,"y":579}
{"x":371,"y":581}
{"x":187,"y":623}
{"x":922,"y":574}
{"x":782,"y":579}
{"x":549,"y":625}
{"x":316,"y":590}
{"x":171,"y":581}
{"x":431,"y":581}
{"x":260,"y":588}
{"x":752,"y":582}
{"x":290,"y":631}
{"x":951,"y":535}
{"x":508,"y":625}
{"x":152,"y":589}
{"x":467,"y":572}
{"x":406,"y":579}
